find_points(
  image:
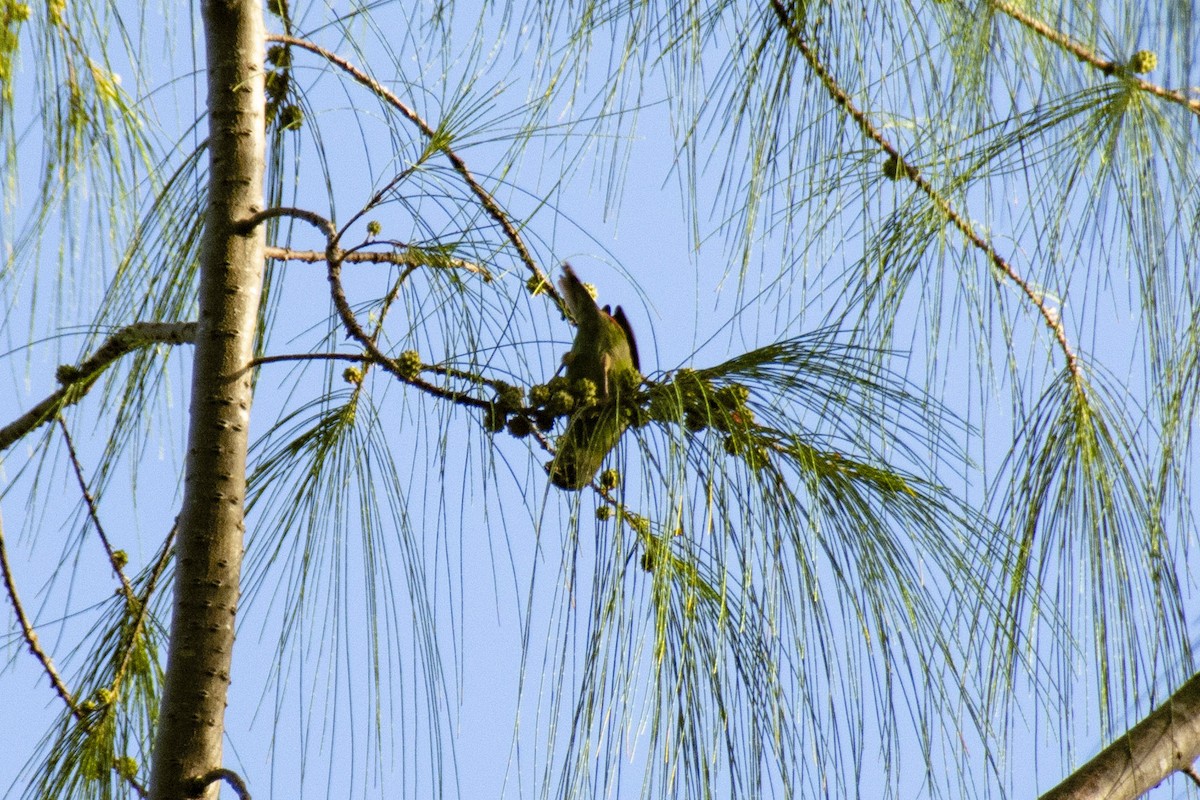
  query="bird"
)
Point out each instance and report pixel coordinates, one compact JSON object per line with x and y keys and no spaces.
{"x":605,"y":352}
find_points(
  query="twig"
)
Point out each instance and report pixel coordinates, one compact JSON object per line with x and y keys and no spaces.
{"x":485,"y":199}
{"x":198,"y":785}
{"x":76,"y":381}
{"x":311,"y":217}
{"x":1050,"y":315}
{"x":334,"y":256}
{"x":160,"y":566}
{"x":1190,"y":771}
{"x":93,"y":514}
{"x":356,"y":358}
{"x":410,"y":258}
{"x":1083,"y":53}
{"x":30,"y":635}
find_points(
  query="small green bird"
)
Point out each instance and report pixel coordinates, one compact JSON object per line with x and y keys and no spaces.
{"x":605,"y":353}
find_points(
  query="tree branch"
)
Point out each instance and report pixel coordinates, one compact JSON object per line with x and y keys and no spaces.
{"x":408,"y":258}
{"x":76,"y":381}
{"x":1166,"y":741}
{"x":30,"y":635}
{"x":334,"y":256}
{"x":488,"y":202}
{"x":221,"y":774}
{"x":93,"y":512}
{"x":1049,"y":314}
{"x":1088,"y":56}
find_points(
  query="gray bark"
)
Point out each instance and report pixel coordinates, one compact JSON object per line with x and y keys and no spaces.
{"x":210,"y":528}
{"x":1166,"y":741}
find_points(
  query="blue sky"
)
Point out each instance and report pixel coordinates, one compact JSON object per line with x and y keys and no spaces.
{"x":491,"y":552}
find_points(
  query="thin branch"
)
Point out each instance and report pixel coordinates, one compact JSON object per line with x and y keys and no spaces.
{"x":1089,"y":56}
{"x":142,"y":791}
{"x":311,"y":217}
{"x":356,"y":358}
{"x":76,"y":381}
{"x":30,"y":635}
{"x":377,"y":198}
{"x":198,"y":785}
{"x":142,"y":609}
{"x":1190,"y":771}
{"x":333,"y":257}
{"x":408,"y":258}
{"x":368,"y":359}
{"x":488,"y":202}
{"x":1049,"y":314}
{"x":93,"y":513}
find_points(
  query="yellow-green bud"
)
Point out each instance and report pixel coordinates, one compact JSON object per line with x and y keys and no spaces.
{"x":279,"y":56}
{"x":126,"y":767}
{"x":509,"y":396}
{"x":585,"y":392}
{"x":610,"y":479}
{"x":1143,"y":61}
{"x":604,"y":513}
{"x":409,"y":364}
{"x":733,"y":396}
{"x":536,"y":286}
{"x":561,"y":403}
{"x":67,"y":373}
{"x":893,"y":169}
{"x":539,"y":395}
{"x":352,"y":375}
{"x":374,"y":228}
{"x":120,"y":559}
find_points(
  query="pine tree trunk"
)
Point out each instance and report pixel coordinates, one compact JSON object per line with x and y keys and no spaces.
{"x":211,"y":524}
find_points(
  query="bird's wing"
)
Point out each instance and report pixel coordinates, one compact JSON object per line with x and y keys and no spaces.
{"x":623,"y":321}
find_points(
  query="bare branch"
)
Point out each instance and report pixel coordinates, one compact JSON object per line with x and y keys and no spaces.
{"x":311,"y":217}
{"x":221,"y":774}
{"x":407,"y":258}
{"x":30,"y":635}
{"x":334,"y":256}
{"x":1166,"y":741}
{"x":76,"y":381}
{"x":488,"y":202}
{"x":93,"y":514}
{"x":368,"y":342}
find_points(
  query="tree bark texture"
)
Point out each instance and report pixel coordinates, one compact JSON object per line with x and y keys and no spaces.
{"x":211,"y":523}
{"x":1165,"y":742}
